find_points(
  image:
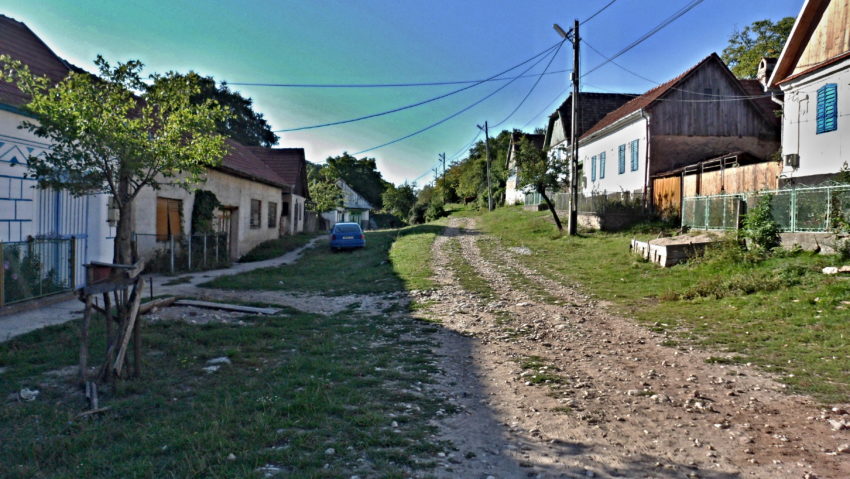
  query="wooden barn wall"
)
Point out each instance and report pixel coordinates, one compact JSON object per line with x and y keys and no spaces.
{"x":684,"y":111}
{"x":667,"y":195}
{"x":830,"y":38}
{"x":741,"y":179}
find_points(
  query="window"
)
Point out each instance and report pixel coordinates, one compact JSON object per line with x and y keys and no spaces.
{"x":284,"y":209}
{"x":827,"y":108}
{"x":593,"y":168}
{"x":602,"y":165}
{"x":272,"y":215}
{"x":168,"y":218}
{"x":256,"y":207}
{"x":635,"y":150}
{"x":621,"y":159}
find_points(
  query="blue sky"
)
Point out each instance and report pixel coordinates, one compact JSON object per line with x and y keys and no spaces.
{"x":381,"y":41}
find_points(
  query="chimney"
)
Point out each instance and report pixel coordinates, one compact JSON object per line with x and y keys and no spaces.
{"x":766,"y":66}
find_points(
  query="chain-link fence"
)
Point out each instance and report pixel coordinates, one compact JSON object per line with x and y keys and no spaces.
{"x":810,"y":209}
{"x":182,"y":253}
{"x":36,"y":268}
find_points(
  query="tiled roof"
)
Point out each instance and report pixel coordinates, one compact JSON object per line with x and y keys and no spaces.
{"x":290,"y":164}
{"x":593,"y":106}
{"x":19,"y":42}
{"x":241,"y":161}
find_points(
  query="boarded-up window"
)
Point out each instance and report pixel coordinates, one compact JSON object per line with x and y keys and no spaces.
{"x":272,"y":215}
{"x":168,"y":218}
{"x":256,"y":207}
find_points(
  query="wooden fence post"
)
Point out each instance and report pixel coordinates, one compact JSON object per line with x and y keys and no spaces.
{"x":2,"y":277}
{"x":72,"y":259}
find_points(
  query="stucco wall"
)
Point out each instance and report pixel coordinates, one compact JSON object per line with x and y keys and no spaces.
{"x":231,"y":191}
{"x":610,"y":144}
{"x":819,"y":153}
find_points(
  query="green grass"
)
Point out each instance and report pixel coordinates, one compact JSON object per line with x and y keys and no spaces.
{"x":465,"y":273}
{"x":299,"y":384}
{"x":373,"y":269}
{"x":277,"y":247}
{"x":779,"y":312}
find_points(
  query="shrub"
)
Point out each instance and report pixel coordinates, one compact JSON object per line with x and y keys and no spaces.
{"x":759,"y":228}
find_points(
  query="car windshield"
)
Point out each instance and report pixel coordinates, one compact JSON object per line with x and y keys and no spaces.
{"x":347,"y":229}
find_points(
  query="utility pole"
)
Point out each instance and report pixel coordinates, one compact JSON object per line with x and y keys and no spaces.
{"x":442,"y":157}
{"x":573,"y":36}
{"x":436,"y":174}
{"x":487,"y":149}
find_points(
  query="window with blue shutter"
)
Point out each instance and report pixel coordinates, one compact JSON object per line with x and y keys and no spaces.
{"x":635,"y":145}
{"x":621,"y":157}
{"x":593,"y":168}
{"x":602,"y":165}
{"x":827,"y":108}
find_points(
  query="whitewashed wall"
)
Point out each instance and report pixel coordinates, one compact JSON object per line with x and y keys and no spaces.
{"x":610,"y":143}
{"x":819,"y":153}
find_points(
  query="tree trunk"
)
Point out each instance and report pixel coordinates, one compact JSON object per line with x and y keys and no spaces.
{"x":123,"y":253}
{"x":551,"y":209}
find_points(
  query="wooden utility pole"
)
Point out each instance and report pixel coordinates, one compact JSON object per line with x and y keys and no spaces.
{"x":442,"y":157}
{"x":487,"y":149}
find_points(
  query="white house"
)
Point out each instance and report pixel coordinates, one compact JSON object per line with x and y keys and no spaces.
{"x":290,"y":165}
{"x":813,"y":72}
{"x":703,"y":113}
{"x":513,"y":193}
{"x":29,"y":213}
{"x":354,"y":209}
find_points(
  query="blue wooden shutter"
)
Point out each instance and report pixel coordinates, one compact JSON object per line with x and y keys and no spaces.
{"x":602,"y":165}
{"x":593,"y":168}
{"x":621,"y":157}
{"x":635,"y":150}
{"x":827,"y":114}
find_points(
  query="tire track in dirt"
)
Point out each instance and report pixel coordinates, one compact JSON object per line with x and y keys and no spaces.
{"x":618,"y":404}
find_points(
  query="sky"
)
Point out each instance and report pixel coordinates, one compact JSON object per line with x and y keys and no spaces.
{"x":393,"y":41}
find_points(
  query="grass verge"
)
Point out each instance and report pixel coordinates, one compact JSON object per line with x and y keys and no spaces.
{"x":778,"y":312}
{"x":277,"y":247}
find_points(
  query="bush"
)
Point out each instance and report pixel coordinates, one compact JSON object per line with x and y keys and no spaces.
{"x":759,"y":228}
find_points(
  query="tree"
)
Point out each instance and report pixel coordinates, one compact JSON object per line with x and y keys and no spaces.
{"x":243,"y":124}
{"x":539,"y":171}
{"x":361,"y":175}
{"x":325,"y":193}
{"x":747,"y":47}
{"x":118,"y":134}
{"x":399,"y":200}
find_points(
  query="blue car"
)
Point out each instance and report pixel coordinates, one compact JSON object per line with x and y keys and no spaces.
{"x":347,"y":236}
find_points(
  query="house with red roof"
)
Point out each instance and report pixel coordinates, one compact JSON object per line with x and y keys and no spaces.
{"x":76,"y":230}
{"x":813,"y":73}
{"x":703,"y":113}
{"x":290,"y":164}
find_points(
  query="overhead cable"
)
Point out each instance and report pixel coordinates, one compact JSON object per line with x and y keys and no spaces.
{"x":597,"y":12}
{"x":423,"y":102}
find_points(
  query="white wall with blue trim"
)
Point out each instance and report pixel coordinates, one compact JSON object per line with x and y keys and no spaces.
{"x":629,"y":175}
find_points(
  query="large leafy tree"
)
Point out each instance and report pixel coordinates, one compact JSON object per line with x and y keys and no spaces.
{"x":325,"y":193}
{"x":362,"y":175}
{"x":243,"y":124}
{"x":762,"y":38}
{"x":399,"y":200}
{"x":540,"y":172}
{"x":118,"y":133}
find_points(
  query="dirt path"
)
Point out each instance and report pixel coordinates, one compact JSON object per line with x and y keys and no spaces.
{"x":563,"y":388}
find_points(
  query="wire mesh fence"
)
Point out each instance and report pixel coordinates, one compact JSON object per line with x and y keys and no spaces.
{"x":36,"y":268}
{"x":183,"y":253}
{"x":809,"y":209}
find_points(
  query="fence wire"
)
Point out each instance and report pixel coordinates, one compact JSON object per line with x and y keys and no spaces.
{"x":182,"y":253}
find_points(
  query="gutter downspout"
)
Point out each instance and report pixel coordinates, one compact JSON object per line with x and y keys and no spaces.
{"x":646,"y":189}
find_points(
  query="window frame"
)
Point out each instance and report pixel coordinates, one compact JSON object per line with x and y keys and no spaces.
{"x":593,"y":168}
{"x":621,"y":159}
{"x":826,"y":113}
{"x":272,"y":214}
{"x":635,"y":155}
{"x":255,"y":218}
{"x":602,"y":165}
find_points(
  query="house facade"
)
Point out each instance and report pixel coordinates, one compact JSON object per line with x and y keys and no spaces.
{"x":290,"y":165}
{"x":250,"y":194}
{"x":80,"y":229}
{"x":703,"y":113}
{"x":354,"y":209}
{"x":813,"y":73}
{"x":513,"y":193}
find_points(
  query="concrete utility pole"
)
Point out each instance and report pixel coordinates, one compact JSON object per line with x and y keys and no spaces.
{"x":573,"y":36}
{"x":487,"y":149}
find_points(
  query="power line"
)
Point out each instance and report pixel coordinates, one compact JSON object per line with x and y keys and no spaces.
{"x":531,"y":90}
{"x":386,"y":85}
{"x":453,"y":115}
{"x":646,"y":35}
{"x":548,"y":105}
{"x":419,"y":103}
{"x":598,"y":12}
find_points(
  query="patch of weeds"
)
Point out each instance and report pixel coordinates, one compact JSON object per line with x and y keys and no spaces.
{"x":531,"y":362}
{"x":179,"y":280}
{"x":545,"y":378}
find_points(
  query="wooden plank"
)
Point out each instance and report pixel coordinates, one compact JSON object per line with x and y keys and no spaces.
{"x":135,"y":300}
{"x":226,"y":307}
{"x":157,"y":303}
{"x":84,"y":340}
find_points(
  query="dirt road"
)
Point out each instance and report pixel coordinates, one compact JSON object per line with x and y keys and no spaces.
{"x":558,"y":386}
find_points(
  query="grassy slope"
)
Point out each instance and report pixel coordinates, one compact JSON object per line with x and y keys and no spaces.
{"x":276,"y":247}
{"x":780,"y":313}
{"x":299,"y":384}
